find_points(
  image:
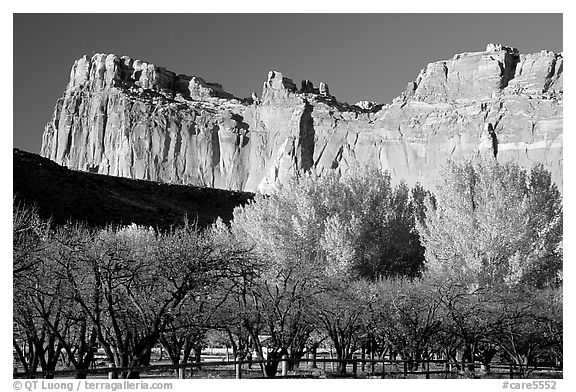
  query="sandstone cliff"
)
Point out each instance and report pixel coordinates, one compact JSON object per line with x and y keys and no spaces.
{"x":128,"y":118}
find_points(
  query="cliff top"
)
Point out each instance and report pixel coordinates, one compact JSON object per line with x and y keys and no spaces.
{"x":499,"y":69}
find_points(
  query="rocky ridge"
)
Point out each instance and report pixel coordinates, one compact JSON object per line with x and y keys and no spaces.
{"x":129,"y":118}
{"x":64,"y":195}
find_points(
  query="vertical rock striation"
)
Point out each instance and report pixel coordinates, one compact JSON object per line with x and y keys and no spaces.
{"x":129,"y":118}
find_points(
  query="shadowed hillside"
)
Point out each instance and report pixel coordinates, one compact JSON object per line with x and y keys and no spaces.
{"x":98,"y":200}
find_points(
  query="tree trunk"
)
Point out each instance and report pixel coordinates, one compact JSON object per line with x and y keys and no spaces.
{"x":86,"y":358}
{"x":468,"y":358}
{"x":372,"y":357}
{"x":21,"y":355}
{"x":294,"y":360}
{"x":486,"y":359}
{"x":142,"y":354}
{"x":81,"y":372}
{"x":198,"y":356}
{"x":272,"y":363}
{"x":84,"y":361}
{"x":48,"y":356}
{"x":314,"y":352}
{"x":341,"y":363}
{"x":173,"y":348}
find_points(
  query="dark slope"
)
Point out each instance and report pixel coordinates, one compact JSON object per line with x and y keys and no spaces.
{"x":98,"y":200}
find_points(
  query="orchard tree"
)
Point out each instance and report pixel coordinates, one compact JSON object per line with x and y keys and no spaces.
{"x":133,"y":285}
{"x":29,"y":235}
{"x":47,"y":322}
{"x":339,"y":311}
{"x":123,"y":289}
{"x":206,"y":305}
{"x":406,"y":315}
{"x":533,"y":329}
{"x":473,"y":317}
{"x":39,"y":317}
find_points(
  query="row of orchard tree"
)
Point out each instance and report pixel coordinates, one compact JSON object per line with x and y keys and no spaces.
{"x":470,"y":273}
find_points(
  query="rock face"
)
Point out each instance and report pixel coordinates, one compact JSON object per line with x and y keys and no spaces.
{"x":128,"y":118}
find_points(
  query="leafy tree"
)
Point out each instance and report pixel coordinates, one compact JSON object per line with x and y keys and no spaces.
{"x":369,"y":225}
{"x":494,"y":222}
{"x":312,"y":235}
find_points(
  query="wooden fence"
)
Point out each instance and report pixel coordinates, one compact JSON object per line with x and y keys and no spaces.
{"x":379,"y":368}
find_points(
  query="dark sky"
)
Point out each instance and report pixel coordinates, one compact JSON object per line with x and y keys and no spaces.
{"x":360,"y":56}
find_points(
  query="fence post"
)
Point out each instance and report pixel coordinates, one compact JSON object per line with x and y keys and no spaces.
{"x":354,"y":365}
{"x":182,"y":370}
{"x":427,"y":364}
{"x":284,"y":365}
{"x":111,"y":373}
{"x":324,"y":364}
{"x":383,"y":367}
{"x":511,"y":372}
{"x":405,"y":369}
{"x":238,"y":365}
